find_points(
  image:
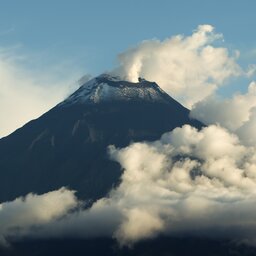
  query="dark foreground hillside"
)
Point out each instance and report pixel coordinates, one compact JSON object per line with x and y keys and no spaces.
{"x":107,"y":247}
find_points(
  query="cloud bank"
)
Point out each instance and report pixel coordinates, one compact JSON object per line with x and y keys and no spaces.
{"x":188,"y":68}
{"x":188,"y":183}
{"x":18,"y":216}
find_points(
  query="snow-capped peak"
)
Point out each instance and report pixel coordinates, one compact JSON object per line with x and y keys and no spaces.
{"x":106,"y":88}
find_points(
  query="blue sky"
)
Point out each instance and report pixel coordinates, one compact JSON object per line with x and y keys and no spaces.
{"x":52,"y":43}
{"x":91,"y":33}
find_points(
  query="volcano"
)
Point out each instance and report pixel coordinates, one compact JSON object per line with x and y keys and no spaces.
{"x":67,"y":146}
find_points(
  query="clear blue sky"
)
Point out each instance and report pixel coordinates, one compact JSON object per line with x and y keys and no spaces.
{"x":92,"y":33}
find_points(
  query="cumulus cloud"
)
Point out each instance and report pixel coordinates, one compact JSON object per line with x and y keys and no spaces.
{"x":188,"y":68}
{"x":237,"y":113}
{"x":18,"y":216}
{"x":25,"y":95}
{"x":188,"y":183}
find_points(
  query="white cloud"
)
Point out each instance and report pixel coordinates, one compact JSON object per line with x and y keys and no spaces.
{"x":188,"y":68}
{"x":25,"y":95}
{"x":246,"y":131}
{"x":18,"y":216}
{"x":251,"y":71}
{"x":189,"y":182}
{"x":236,"y":114}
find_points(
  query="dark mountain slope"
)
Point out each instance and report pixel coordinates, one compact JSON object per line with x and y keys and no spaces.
{"x":67,"y":146}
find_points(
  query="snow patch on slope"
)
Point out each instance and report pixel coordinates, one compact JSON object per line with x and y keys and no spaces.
{"x":107,"y":88}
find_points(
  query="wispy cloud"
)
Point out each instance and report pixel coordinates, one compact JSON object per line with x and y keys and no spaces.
{"x":25,"y":93}
{"x":7,"y":31}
